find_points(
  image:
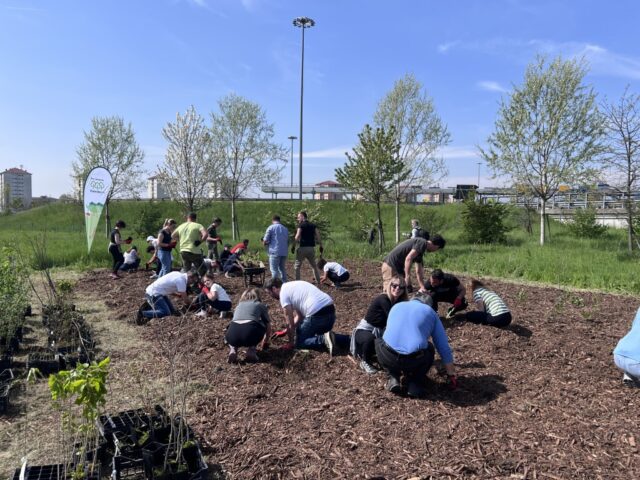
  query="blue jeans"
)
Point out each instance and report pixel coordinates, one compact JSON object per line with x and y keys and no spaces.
{"x":165,"y":260}
{"x":310,"y":330}
{"x":130,"y":266}
{"x":627,"y":365}
{"x":160,"y":307}
{"x":278,"y":267}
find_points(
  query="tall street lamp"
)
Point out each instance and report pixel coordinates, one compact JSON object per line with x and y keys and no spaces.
{"x":479,"y":174}
{"x":292,"y":138}
{"x":303,"y":23}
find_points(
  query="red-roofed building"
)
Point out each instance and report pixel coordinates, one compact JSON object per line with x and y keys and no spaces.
{"x":328,"y":195}
{"x":15,"y":189}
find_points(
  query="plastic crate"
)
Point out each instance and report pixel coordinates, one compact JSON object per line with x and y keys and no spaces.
{"x":45,"y":362}
{"x":5,"y":392}
{"x":52,"y":472}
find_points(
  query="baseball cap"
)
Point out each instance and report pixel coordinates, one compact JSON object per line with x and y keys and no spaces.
{"x":150,"y":237}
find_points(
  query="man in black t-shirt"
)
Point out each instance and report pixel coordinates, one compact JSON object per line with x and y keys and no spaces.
{"x":213,"y":239}
{"x":307,"y":237}
{"x":444,"y":287}
{"x":399,"y":260}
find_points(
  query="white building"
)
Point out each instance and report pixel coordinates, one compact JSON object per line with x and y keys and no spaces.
{"x":156,"y":189}
{"x":15,"y":189}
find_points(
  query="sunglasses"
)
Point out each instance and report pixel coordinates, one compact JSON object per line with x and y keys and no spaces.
{"x":397,"y":285}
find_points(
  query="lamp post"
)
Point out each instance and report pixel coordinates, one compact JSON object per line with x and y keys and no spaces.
{"x":292,"y":138}
{"x":303,"y":23}
{"x":479,"y":174}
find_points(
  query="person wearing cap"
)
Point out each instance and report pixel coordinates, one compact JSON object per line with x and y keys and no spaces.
{"x":276,"y":239}
{"x":152,"y":248}
{"x":190,"y":236}
{"x":405,"y":349}
{"x":399,"y":260}
{"x":157,"y":294}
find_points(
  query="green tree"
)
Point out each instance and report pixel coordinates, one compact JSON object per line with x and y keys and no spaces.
{"x":419,"y":131}
{"x":623,"y":159}
{"x":111,"y":144}
{"x":189,"y":168}
{"x":585,"y":224}
{"x":548,"y":132}
{"x":374,"y":170}
{"x":484,"y":222}
{"x":243,"y":145}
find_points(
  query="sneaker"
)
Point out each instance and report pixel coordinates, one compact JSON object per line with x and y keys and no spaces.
{"x":232,"y":358}
{"x":115,"y":276}
{"x":330,"y":341}
{"x":226,"y":314}
{"x":154,"y":275}
{"x":251,"y":356}
{"x":337,"y":285}
{"x":201,"y":313}
{"x":394,"y":385}
{"x":140,"y":318}
{"x":367,"y":368}
{"x":415,"y":390}
{"x":630,"y":381}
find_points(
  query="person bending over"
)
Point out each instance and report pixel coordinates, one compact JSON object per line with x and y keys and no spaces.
{"x":115,"y":240}
{"x":405,"y":349}
{"x":157,"y":294}
{"x":444,"y":287}
{"x":309,"y":312}
{"x":374,"y":322}
{"x":212,"y":297}
{"x":411,"y":251}
{"x":333,"y":271}
{"x":491,"y":309}
{"x":627,"y":354}
{"x":131,"y":260}
{"x":250,"y":327}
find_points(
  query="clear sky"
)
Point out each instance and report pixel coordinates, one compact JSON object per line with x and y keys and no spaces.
{"x":63,"y":62}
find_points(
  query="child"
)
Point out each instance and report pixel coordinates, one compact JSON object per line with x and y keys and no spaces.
{"x":491,"y":308}
{"x":131,"y":260}
{"x":333,"y":271}
{"x":212,"y":296}
{"x":250,"y":326}
{"x":226,"y":253}
{"x":233,"y":267}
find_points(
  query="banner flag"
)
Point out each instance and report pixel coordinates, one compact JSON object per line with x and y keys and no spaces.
{"x":96,"y":188}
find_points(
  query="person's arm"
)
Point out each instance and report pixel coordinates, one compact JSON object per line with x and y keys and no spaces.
{"x":267,"y":236}
{"x":212,"y":294}
{"x":324,"y":276}
{"x":298,"y":235}
{"x":118,"y":238}
{"x":265,"y":341}
{"x":408,"y":260}
{"x":204,"y":234}
{"x":290,"y":315}
{"x":175,"y":235}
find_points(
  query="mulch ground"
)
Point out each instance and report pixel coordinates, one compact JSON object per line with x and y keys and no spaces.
{"x":541,"y":399}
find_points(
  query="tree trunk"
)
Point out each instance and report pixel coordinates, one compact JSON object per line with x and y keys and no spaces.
{"x":397,"y":215}
{"x":542,"y":218}
{"x":380,"y":230}
{"x":235,"y":233}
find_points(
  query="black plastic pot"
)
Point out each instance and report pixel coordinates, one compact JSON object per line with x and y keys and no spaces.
{"x":5,"y":391}
{"x":45,"y":362}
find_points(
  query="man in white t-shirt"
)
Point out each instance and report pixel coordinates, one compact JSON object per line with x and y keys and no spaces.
{"x":334,"y":272}
{"x":310,"y":314}
{"x":157,"y":294}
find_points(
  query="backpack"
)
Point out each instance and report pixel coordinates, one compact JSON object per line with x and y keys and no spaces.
{"x":422,"y":233}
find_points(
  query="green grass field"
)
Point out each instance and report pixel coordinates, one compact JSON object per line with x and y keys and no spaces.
{"x":592,"y":264}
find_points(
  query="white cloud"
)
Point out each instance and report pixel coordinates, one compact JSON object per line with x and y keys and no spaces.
{"x":334,"y":152}
{"x":445,"y":47}
{"x":456,"y":152}
{"x":491,"y":86}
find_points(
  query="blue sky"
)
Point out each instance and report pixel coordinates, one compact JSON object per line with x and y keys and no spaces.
{"x":63,"y":62}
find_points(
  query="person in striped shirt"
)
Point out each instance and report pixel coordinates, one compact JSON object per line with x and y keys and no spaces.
{"x":491,"y":309}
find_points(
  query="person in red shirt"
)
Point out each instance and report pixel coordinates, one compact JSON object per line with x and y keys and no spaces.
{"x":241,"y":246}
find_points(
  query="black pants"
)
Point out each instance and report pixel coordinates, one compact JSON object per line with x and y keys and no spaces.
{"x":338,"y":278}
{"x":448,"y":297}
{"x":365,"y":347}
{"x":202,"y":301}
{"x":484,"y":318}
{"x":193,"y":261}
{"x":118,"y":258}
{"x":244,"y":334}
{"x":414,"y":366}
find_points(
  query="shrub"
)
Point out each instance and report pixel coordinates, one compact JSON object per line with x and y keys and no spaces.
{"x":484,"y":222}
{"x":585,"y":224}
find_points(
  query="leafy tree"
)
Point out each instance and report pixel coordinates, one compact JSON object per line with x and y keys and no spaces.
{"x":111,"y":144}
{"x":419,"y":131}
{"x":374,"y":170}
{"x":548,"y":132}
{"x":484,"y":222}
{"x":585,"y":224}
{"x":149,"y":221}
{"x":243,"y":145}
{"x":189,"y":167}
{"x":623,"y":159}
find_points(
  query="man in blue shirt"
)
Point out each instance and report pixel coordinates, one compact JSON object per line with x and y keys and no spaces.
{"x":627,"y":354}
{"x":405,"y":348}
{"x":276,"y":239}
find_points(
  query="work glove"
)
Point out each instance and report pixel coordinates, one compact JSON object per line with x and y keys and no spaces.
{"x":280,"y":333}
{"x":197,"y":243}
{"x":452,"y":382}
{"x":287,"y":347}
{"x":293,"y":249}
{"x":321,"y":249}
{"x":128,"y":240}
{"x":173,"y":244}
{"x":457,"y":303}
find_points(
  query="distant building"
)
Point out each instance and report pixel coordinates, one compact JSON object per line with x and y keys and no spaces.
{"x":328,"y":195}
{"x":15,"y":189}
{"x":156,"y":189}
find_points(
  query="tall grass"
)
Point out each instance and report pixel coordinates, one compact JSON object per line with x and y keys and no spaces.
{"x":565,"y":260}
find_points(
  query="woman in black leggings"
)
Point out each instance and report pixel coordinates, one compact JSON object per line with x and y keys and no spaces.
{"x":115,"y":241}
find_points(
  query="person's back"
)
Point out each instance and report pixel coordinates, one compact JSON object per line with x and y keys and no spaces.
{"x":172,"y":282}
{"x":396,"y":257}
{"x":304,"y":297}
{"x":277,"y":239}
{"x":189,"y":234}
{"x":307,"y":234}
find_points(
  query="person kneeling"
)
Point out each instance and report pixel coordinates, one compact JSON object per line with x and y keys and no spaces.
{"x":627,"y":354}
{"x":212,"y":296}
{"x":250,"y":326}
{"x":157,"y":294}
{"x":444,"y":287}
{"x":491,"y":308}
{"x":333,"y":271}
{"x":404,"y":348}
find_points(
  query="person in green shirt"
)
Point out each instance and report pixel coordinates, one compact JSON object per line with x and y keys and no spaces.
{"x":190,"y":236}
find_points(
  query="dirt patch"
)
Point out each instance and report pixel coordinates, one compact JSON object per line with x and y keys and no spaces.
{"x":541,"y":399}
